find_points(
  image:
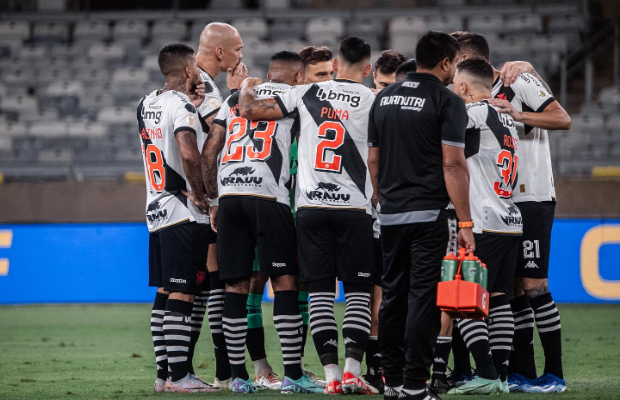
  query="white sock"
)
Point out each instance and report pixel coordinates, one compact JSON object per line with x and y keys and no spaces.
{"x":353,"y":366}
{"x":412,"y":392}
{"x":332,"y":373}
{"x":261,"y":367}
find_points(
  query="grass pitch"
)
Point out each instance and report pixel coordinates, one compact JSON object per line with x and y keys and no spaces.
{"x":104,"y":352}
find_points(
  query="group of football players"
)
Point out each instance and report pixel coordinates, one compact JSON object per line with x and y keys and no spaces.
{"x":273,"y":183}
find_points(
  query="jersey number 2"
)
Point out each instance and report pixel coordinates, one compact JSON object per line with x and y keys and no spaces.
{"x":233,"y":152}
{"x":155,"y":166}
{"x":508,"y":163}
{"x":321,"y":163}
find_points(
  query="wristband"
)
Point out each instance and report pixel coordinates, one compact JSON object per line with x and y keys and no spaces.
{"x":466,"y":224}
{"x":214,"y":202}
{"x":233,"y":91}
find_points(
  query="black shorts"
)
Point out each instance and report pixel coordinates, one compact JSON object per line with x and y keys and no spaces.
{"x":378,"y":270}
{"x":245,"y":224}
{"x":178,"y":258}
{"x":335,"y":244}
{"x":533,"y":261}
{"x":499,"y":253}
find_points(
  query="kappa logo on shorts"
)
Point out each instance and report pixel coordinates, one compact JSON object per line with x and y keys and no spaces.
{"x":531,"y":265}
{"x":240,"y":177}
{"x":278,"y":265}
{"x":364,"y":274}
{"x":177,"y":280}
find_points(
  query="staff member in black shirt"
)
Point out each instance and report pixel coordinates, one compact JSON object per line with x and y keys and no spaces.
{"x":418,"y":168}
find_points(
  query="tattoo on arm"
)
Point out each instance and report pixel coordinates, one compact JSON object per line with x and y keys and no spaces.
{"x":191,"y":160}
{"x":538,"y":290}
{"x":253,"y":109}
{"x":213,"y":147}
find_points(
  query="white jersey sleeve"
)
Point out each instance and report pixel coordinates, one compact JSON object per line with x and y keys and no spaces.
{"x":213,"y":97}
{"x":532,"y":93}
{"x":292,"y":99}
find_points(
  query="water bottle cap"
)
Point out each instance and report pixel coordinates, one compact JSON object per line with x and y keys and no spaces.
{"x":471,"y":257}
{"x":483,"y":265}
{"x":451,"y":257}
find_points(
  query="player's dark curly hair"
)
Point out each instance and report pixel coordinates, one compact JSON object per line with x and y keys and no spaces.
{"x":173,"y":58}
{"x":406,"y":68}
{"x":474,"y":44}
{"x":389,"y":61}
{"x":479,"y":68}
{"x":315,"y":54}
{"x":354,"y":50}
{"x":287,"y":56}
{"x":433,"y":47}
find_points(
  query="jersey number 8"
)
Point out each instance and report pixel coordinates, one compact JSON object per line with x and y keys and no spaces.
{"x":155,"y":167}
{"x":233,"y":152}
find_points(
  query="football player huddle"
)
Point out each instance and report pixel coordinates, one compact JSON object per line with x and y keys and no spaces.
{"x":308,"y":177}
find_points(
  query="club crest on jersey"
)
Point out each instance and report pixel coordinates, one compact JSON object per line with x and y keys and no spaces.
{"x":332,"y":95}
{"x":328,"y":192}
{"x":154,"y":213}
{"x":242,"y":177}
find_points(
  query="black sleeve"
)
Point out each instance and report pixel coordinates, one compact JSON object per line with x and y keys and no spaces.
{"x":373,"y":134}
{"x":453,"y":121}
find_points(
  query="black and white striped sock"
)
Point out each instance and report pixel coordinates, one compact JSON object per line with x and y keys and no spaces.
{"x":198,"y":315}
{"x":289,"y":325}
{"x":157,"y":332}
{"x":323,"y":325}
{"x":235,"y":326}
{"x":501,"y":333}
{"x":177,"y":330}
{"x":356,"y":325}
{"x":476,"y":336}
{"x":215,"y":313}
{"x":550,"y":332}
{"x":522,"y":355}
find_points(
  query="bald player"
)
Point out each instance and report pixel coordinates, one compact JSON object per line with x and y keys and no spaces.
{"x":219,"y":51}
{"x":319,"y":63}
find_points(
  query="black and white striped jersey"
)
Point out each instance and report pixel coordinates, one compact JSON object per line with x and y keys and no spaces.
{"x":535,"y":171}
{"x":491,"y":151}
{"x":333,"y":153}
{"x":213,"y":98}
{"x":161,"y":115}
{"x":255,"y":157}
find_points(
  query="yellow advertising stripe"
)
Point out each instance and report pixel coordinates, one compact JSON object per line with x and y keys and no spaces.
{"x":4,"y":267}
{"x":6,"y":238}
{"x":591,"y":278}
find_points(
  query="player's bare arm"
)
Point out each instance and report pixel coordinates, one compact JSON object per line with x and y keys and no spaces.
{"x":373,"y":168}
{"x":213,"y":147}
{"x":253,"y":109}
{"x":553,"y":117}
{"x":456,"y":175}
{"x":188,"y":148}
{"x":511,"y":71}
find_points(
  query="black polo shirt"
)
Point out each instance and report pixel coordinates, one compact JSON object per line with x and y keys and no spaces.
{"x":409,"y":122}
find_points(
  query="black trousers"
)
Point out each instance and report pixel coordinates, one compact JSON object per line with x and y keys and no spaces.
{"x":409,"y":319}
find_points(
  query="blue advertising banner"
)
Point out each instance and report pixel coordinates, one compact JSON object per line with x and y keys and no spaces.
{"x":84,"y":263}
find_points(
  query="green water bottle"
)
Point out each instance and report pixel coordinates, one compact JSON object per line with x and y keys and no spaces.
{"x":470,"y":269}
{"x":449,"y":266}
{"x":484,"y":276}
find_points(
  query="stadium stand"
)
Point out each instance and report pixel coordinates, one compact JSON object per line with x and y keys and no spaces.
{"x":80,"y":79}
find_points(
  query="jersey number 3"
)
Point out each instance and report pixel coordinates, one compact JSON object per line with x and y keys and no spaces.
{"x":155,"y":167}
{"x":321,"y":162}
{"x":508,"y":163}
{"x":233,"y":152}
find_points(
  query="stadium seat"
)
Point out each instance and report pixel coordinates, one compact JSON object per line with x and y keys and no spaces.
{"x":405,"y":44}
{"x":599,"y":108}
{"x":46,"y":114}
{"x":93,"y":30}
{"x":50,"y":32}
{"x":75,"y":50}
{"x":402,"y":26}
{"x":13,"y":130}
{"x":104,"y":52}
{"x":18,"y":77}
{"x":613,"y":124}
{"x":251,"y":27}
{"x":130,"y":30}
{"x":51,"y":75}
{"x":486,"y":24}
{"x":293,"y":45}
{"x":322,"y":29}
{"x":6,"y":144}
{"x":365,"y":26}
{"x":97,"y":101}
{"x":117,"y":115}
{"x":129,"y":76}
{"x":18,"y":103}
{"x":570,"y":26}
{"x":91,"y":76}
{"x":172,"y":30}
{"x":445,"y":22}
{"x":527,"y":24}
{"x":55,"y":156}
{"x":87,"y":130}
{"x":52,"y":128}
{"x":14,"y":30}
{"x":286,"y":29}
{"x":33,"y":53}
{"x":585,"y":123}
{"x":610,"y":94}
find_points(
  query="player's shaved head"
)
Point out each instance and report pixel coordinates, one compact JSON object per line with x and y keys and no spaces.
{"x":476,"y":72}
{"x":286,"y":67}
{"x":218,"y":34}
{"x":174,"y":58}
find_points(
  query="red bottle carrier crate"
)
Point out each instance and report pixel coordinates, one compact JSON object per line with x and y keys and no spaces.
{"x":462,"y":299}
